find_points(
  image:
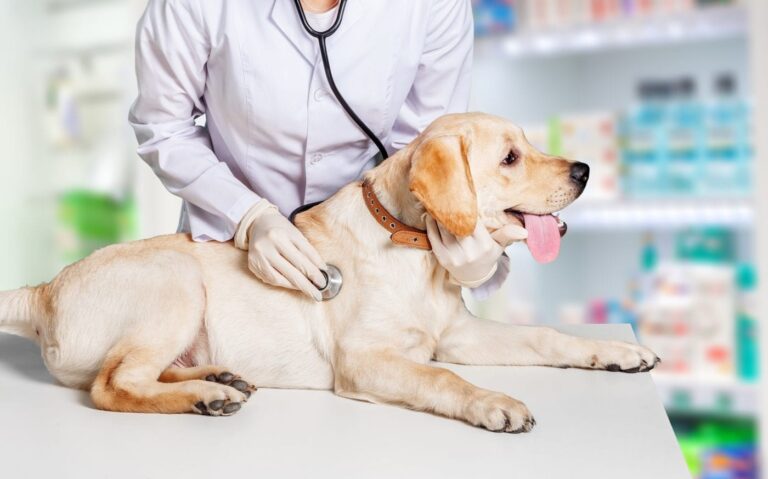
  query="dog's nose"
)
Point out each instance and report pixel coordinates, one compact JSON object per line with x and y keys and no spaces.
{"x":580,"y":173}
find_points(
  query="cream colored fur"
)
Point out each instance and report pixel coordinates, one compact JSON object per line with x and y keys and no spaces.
{"x":118,"y":321}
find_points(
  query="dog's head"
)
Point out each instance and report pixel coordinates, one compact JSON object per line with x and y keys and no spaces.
{"x":475,"y":167}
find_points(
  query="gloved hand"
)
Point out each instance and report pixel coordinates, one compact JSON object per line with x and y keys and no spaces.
{"x":509,"y":234}
{"x":472,"y":260}
{"x":278,"y":253}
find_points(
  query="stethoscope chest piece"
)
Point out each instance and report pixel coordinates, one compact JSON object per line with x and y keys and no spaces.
{"x":333,"y":283}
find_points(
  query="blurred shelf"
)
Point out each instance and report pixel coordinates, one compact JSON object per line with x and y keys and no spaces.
{"x":701,"y":24}
{"x":117,"y":47}
{"x":694,"y":396}
{"x":659,"y":214}
{"x":100,"y":96}
{"x":61,"y":6}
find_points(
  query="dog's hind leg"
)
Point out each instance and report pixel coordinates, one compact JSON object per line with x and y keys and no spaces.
{"x":128,"y":382}
{"x":168,"y":317}
{"x":478,"y":342}
{"x":176,"y":374}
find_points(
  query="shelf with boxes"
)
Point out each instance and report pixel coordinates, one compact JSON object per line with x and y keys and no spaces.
{"x":562,"y":27}
{"x":692,"y":301}
{"x":674,"y":156}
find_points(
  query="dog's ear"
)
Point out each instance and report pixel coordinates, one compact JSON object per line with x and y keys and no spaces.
{"x":441,"y":180}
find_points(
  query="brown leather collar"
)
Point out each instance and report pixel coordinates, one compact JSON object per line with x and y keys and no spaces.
{"x":401,"y":233}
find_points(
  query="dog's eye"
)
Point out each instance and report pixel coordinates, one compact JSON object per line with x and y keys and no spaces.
{"x":510,"y":158}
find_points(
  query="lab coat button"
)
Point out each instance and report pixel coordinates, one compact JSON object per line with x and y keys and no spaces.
{"x":320,"y":94}
{"x":316,"y":158}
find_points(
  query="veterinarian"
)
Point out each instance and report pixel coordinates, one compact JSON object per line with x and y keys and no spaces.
{"x":275,"y":138}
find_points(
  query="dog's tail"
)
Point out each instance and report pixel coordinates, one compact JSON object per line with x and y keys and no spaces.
{"x":18,"y":311}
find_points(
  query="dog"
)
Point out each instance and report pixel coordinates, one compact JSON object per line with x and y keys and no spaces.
{"x":148,"y":326}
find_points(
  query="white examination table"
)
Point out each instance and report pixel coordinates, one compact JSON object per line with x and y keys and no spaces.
{"x":591,"y":424}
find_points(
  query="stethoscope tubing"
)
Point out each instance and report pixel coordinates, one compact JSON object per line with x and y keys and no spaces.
{"x":312,"y":31}
{"x":321,"y":39}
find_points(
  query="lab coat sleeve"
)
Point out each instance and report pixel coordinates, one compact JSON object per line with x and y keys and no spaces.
{"x":172,"y":51}
{"x":442,"y":82}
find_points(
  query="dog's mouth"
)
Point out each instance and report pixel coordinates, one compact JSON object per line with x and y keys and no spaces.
{"x":544,"y":233}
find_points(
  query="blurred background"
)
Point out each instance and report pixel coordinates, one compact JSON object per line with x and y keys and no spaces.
{"x":656,"y":95}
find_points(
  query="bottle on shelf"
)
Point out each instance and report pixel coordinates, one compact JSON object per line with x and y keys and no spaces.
{"x":727,"y":166}
{"x":685,"y":140}
{"x":746,"y":323}
{"x":644,"y":140}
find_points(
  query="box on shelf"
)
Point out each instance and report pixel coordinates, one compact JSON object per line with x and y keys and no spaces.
{"x":495,"y":16}
{"x":538,"y":136}
{"x":591,"y":138}
{"x":688,"y":318}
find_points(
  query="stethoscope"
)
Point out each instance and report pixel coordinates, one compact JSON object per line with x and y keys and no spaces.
{"x":321,"y":38}
{"x":332,"y":275}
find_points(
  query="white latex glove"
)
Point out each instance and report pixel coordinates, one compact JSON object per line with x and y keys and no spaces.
{"x":509,"y":234}
{"x":278,"y":253}
{"x":472,"y":260}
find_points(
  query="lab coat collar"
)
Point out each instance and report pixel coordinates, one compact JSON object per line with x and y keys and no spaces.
{"x":286,"y":18}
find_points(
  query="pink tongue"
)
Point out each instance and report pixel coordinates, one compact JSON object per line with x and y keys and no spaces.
{"x":543,"y":237}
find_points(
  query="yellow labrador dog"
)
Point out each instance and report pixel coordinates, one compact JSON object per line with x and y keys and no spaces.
{"x":148,"y":326}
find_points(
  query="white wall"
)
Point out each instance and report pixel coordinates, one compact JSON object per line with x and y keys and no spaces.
{"x":15,"y":197}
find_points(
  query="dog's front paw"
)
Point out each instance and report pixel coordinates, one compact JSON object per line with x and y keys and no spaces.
{"x":499,"y":413}
{"x":623,"y":357}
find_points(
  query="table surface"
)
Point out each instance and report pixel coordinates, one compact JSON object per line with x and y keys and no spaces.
{"x":591,"y":424}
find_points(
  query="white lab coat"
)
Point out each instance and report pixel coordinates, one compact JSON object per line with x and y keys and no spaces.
{"x":273,"y":128}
